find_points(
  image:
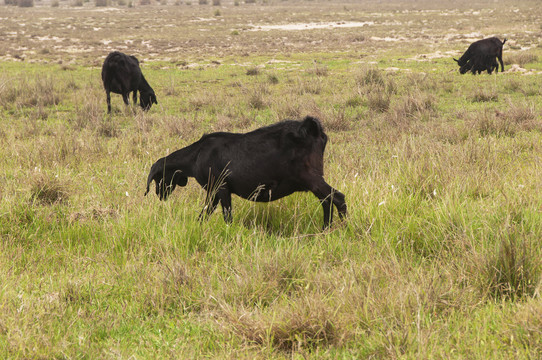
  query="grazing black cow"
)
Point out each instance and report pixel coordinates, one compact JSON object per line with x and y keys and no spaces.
{"x":481,"y":55}
{"x":263,"y":165}
{"x":121,"y":74}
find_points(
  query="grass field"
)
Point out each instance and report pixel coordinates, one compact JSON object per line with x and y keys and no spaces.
{"x":440,"y":256}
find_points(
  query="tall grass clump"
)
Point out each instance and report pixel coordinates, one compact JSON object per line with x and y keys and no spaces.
{"x":517,"y":117}
{"x":488,"y":123}
{"x":370,"y":76}
{"x":257,"y":100}
{"x":523,"y":114}
{"x":484,"y":95}
{"x":22,"y":92}
{"x":514,"y":270}
{"x":319,"y":70}
{"x":415,"y":105}
{"x":336,"y":120}
{"x":251,"y":71}
{"x":312,"y":86}
{"x":272,"y":79}
{"x":91,"y":116}
{"x":378,"y":101}
{"x":45,"y":92}
{"x":264,"y":278}
{"x":521,"y":58}
{"x":304,"y":323}
{"x":48,"y":190}
{"x":8,"y":91}
{"x":376,"y":87}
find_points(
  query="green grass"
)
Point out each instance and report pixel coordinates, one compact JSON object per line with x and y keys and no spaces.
{"x":440,"y":254}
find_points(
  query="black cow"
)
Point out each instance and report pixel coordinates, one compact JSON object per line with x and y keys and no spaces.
{"x":481,"y":55}
{"x":263,"y":165}
{"x":121,"y":74}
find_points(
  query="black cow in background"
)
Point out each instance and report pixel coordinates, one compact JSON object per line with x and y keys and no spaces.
{"x":482,"y":55}
{"x":263,"y":165}
{"x":121,"y":74}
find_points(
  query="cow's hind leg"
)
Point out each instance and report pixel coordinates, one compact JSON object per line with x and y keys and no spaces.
{"x":108,"y":97}
{"x":502,"y":64}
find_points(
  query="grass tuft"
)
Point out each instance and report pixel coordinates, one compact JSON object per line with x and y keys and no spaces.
{"x":378,"y":101}
{"x":305,"y":324}
{"x":521,"y":58}
{"x":415,"y":105}
{"x":319,"y":70}
{"x":514,"y":271}
{"x":370,"y":76}
{"x":253,"y":71}
{"x":48,"y":190}
{"x":484,"y":95}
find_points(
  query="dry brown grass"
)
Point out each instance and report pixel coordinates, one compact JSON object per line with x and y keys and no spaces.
{"x":518,"y":117}
{"x":253,"y":71}
{"x":513,"y":271}
{"x":48,"y":190}
{"x":378,"y":101}
{"x":25,"y":91}
{"x":521,"y":58}
{"x":418,"y":105}
{"x":485,"y":95}
{"x":306,"y":326}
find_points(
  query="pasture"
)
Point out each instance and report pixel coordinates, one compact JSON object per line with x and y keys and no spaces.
{"x":440,"y":256}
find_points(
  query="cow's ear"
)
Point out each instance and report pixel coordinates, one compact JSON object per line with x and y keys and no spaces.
{"x":310,"y":126}
{"x":457,"y":61}
{"x":179,"y":178}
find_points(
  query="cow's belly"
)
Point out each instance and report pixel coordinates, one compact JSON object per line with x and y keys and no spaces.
{"x":268,"y":191}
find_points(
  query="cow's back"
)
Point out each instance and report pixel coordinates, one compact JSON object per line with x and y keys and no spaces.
{"x":121,"y":72}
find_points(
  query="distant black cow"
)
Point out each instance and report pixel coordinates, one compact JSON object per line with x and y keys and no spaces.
{"x":121,"y":74}
{"x":481,"y":55}
{"x":263,"y":165}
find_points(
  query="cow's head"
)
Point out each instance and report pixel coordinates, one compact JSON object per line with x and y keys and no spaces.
{"x":166,"y":178}
{"x":460,"y":62}
{"x":146,"y":99}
